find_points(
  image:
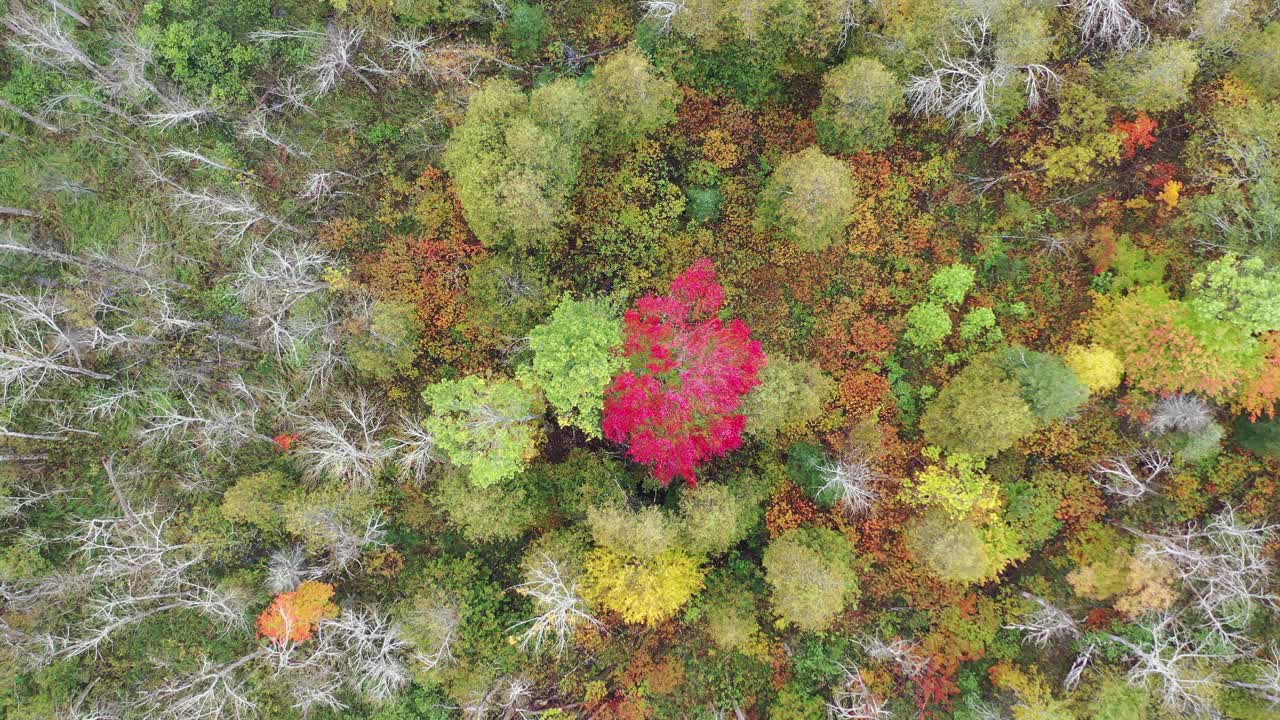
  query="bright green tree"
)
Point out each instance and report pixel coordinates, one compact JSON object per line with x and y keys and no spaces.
{"x":492,"y":428}
{"x":574,"y":359}
{"x":1242,"y":292}
{"x":809,"y":199}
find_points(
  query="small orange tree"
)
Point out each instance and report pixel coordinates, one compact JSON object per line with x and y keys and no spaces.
{"x":294,"y":616}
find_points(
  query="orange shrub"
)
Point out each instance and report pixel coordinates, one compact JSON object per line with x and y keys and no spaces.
{"x":294,"y":616}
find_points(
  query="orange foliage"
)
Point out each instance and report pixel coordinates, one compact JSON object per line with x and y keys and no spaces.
{"x":1137,"y":134}
{"x":294,"y":616}
{"x":863,"y":393}
{"x":1260,"y":392}
{"x":285,"y":441}
{"x":789,"y":508}
{"x":427,"y":270}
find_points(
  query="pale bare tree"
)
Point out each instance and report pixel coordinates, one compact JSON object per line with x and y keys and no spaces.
{"x":287,"y":569}
{"x":853,"y":700}
{"x":351,"y":446}
{"x":907,"y":655}
{"x":1179,"y":663}
{"x":41,"y":37}
{"x":415,"y":449}
{"x":1131,"y":478}
{"x":851,"y":480}
{"x":409,"y":51}
{"x":559,"y":607}
{"x":1109,"y":23}
{"x":963,"y":86}
{"x":346,"y":539}
{"x":28,"y":361}
{"x":1046,"y":624}
{"x":255,"y":127}
{"x":192,"y":156}
{"x":663,"y":11}
{"x":212,"y":692}
{"x":177,"y":111}
{"x":1179,"y":413}
{"x":210,"y":426}
{"x":369,"y":652}
{"x":1224,"y":565}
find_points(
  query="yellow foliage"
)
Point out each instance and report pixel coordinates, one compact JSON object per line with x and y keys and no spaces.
{"x":719,"y":150}
{"x":641,"y":591}
{"x":1170,"y":194}
{"x":1150,"y":588}
{"x":1097,"y":367}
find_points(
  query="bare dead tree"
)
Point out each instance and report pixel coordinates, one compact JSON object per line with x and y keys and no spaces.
{"x":1048,"y":623}
{"x":337,"y":57}
{"x":508,"y":698}
{"x":663,"y":11}
{"x":17,"y":500}
{"x":231,"y":217}
{"x":445,"y":620}
{"x":853,"y":700}
{"x":559,"y":607}
{"x":1180,"y":665}
{"x":41,"y":38}
{"x":1179,"y":413}
{"x":963,"y":87}
{"x":322,"y":185}
{"x":212,"y":692}
{"x":287,"y":569}
{"x":127,"y":569}
{"x":1131,"y":478}
{"x":214,"y":427}
{"x":350,"y":446}
{"x":346,"y":540}
{"x":905,"y":654}
{"x":409,"y":51}
{"x":850,"y":480}
{"x":199,"y":158}
{"x":1109,"y":23}
{"x":272,"y":281}
{"x":415,"y":449}
{"x":369,"y":652}
{"x":1224,"y":565}
{"x":1266,"y":681}
{"x":254,"y":127}
{"x":177,"y":111}
{"x":28,"y":361}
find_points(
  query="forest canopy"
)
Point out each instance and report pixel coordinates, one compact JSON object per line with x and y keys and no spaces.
{"x":639,"y":360}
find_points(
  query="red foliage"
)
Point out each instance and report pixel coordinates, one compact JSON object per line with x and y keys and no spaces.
{"x":937,"y":685}
{"x":677,"y":405}
{"x":1137,"y":134}
{"x":285,"y":441}
{"x":1159,"y":175}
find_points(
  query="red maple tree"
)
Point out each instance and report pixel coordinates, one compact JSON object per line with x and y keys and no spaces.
{"x":676,"y":405}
